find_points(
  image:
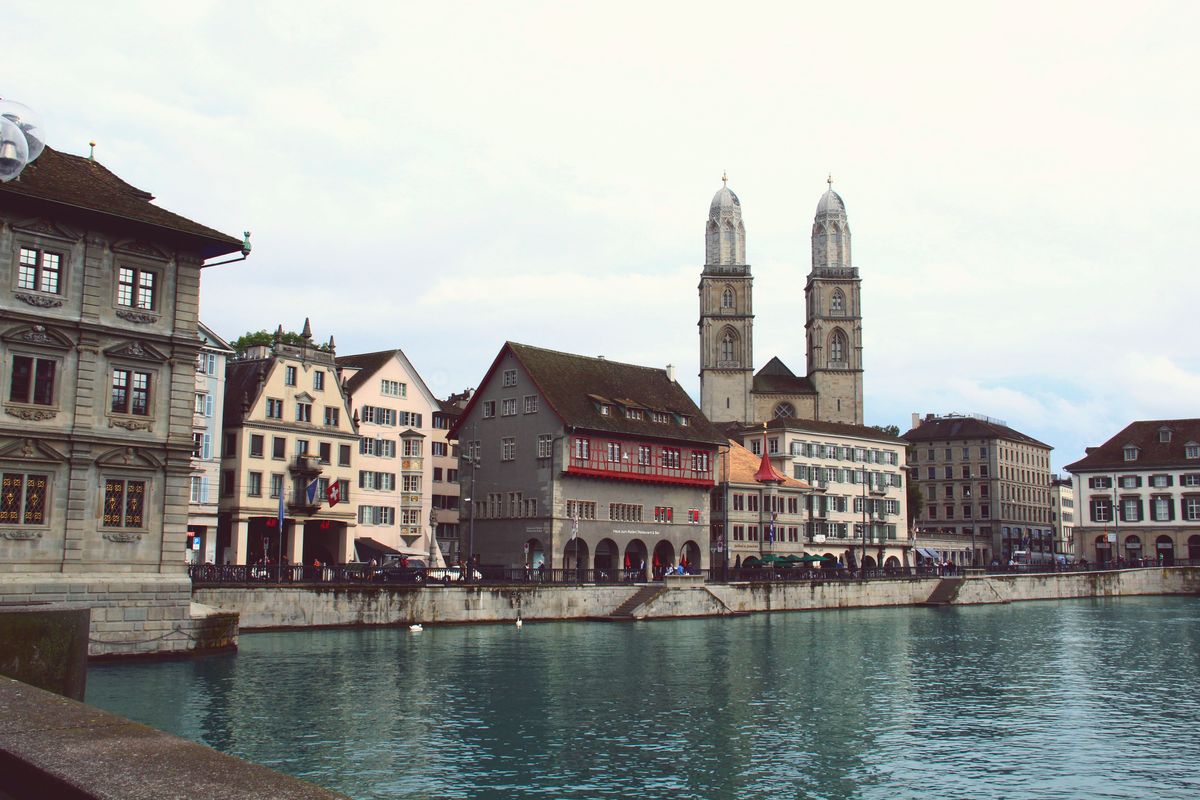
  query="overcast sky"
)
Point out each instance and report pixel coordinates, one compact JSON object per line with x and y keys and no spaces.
{"x":1021,"y":179}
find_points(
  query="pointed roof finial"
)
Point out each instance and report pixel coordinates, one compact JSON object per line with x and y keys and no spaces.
{"x":332,"y":346}
{"x":306,"y":334}
{"x":279,"y":334}
{"x":829,"y":180}
{"x":724,"y":177}
{"x":92,"y":151}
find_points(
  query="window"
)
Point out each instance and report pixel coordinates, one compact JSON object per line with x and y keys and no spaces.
{"x":383,"y":481}
{"x":135,"y":288}
{"x":393,"y":388}
{"x":319,"y":380}
{"x":32,"y":380}
{"x":1131,"y":453}
{"x":727,"y":298}
{"x":931,"y":472}
{"x":699,"y":461}
{"x":605,"y":409}
{"x":625,"y":512}
{"x":257,"y":442}
{"x":199,"y":489}
{"x":1160,"y":481}
{"x":489,"y":409}
{"x":274,"y":408}
{"x":302,"y":447}
{"x":837,"y":303}
{"x":983,"y":451}
{"x":983,"y":470}
{"x":226,"y":482}
{"x":343,"y":455}
{"x":206,"y":363}
{"x":332,"y":416}
{"x":966,"y":470}
{"x":694,"y":516}
{"x":254,"y":484}
{"x":204,"y":404}
{"x":508,"y":407}
{"x":410,"y":418}
{"x":510,"y":378}
{"x":614,"y":452}
{"x":39,"y":271}
{"x":727,"y":347}
{"x":508,"y":448}
{"x":663,"y":513}
{"x":384,"y":448}
{"x":1160,"y":508}
{"x":1102,"y":482}
{"x":130,"y":392}
{"x":633,"y":413}
{"x":582,"y":449}
{"x":645,"y":455}
{"x":380,"y":515}
{"x":412,"y":448}
{"x":785,"y":411}
{"x":1101,"y":509}
{"x":324,"y":452}
{"x":948,"y":472}
{"x":1191,"y":508}
{"x":531,"y":404}
{"x":303,"y":412}
{"x":670,"y":457}
{"x":1130,"y":481}
{"x":773,"y":445}
{"x":23,"y":500}
{"x":289,"y":376}
{"x":124,"y":504}
{"x":278,"y":447}
{"x":1191,"y":450}
{"x":837,"y":348}
{"x":379,"y":415}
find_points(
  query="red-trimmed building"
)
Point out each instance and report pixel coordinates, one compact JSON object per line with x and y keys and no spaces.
{"x":584,"y":463}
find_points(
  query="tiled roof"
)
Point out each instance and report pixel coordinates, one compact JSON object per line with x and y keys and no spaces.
{"x":241,"y":383}
{"x":941,"y":429}
{"x":743,"y":465}
{"x":1144,"y":435}
{"x":91,"y":189}
{"x":776,"y":378}
{"x":367,"y":365}
{"x":832,"y":428}
{"x":569,"y":381}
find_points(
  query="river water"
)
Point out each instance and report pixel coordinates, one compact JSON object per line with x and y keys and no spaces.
{"x":1097,"y":698}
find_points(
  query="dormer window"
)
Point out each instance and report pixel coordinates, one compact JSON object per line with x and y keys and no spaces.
{"x":1131,"y":453}
{"x":605,"y":409}
{"x":685,"y":420}
{"x":633,"y":413}
{"x":1191,"y":450}
{"x":1164,"y":435}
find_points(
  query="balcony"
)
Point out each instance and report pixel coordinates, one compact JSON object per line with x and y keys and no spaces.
{"x":629,"y":469}
{"x":305,"y":465}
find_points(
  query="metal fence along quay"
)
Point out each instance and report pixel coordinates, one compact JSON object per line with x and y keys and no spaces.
{"x":365,"y":575}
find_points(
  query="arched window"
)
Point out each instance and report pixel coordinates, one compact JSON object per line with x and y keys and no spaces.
{"x":727,"y":298}
{"x":837,"y":303}
{"x":728,"y":347}
{"x":837,"y":348}
{"x":785,"y":411}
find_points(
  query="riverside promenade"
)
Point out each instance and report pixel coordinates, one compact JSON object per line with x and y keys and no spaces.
{"x":267,"y":606}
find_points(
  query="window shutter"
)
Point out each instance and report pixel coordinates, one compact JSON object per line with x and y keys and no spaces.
{"x":207,"y":447}
{"x":208,"y":405}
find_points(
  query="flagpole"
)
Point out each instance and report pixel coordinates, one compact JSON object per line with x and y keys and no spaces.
{"x":279,"y":527}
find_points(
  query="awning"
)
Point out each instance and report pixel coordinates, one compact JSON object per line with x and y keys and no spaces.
{"x":369,"y":548}
{"x":927,"y":553}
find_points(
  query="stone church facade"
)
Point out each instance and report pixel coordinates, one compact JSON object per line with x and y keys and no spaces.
{"x":831,"y":390}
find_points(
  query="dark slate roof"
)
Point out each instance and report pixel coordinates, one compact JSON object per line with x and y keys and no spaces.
{"x":367,"y":365}
{"x":818,"y":426}
{"x":956,"y":428}
{"x":241,"y":383}
{"x":1152,"y":453}
{"x":72,"y":183}
{"x":776,"y":378}
{"x":449,"y":409}
{"x":570,"y":383}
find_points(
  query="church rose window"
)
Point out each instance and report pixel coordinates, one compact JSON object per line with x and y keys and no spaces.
{"x":785,"y":411}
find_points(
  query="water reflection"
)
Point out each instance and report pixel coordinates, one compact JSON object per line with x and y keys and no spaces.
{"x":1062,"y":700}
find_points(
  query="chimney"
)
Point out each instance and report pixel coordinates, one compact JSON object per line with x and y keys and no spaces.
{"x":671,"y":372}
{"x":916,"y":420}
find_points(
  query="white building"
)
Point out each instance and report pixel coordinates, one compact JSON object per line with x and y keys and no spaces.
{"x":206,"y":447}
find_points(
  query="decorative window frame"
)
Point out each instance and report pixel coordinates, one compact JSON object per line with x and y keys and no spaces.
{"x":130,"y":464}
{"x":26,"y":456}
{"x":43,"y":235}
{"x":35,"y":341}
{"x":135,"y":356}
{"x":143,"y":257}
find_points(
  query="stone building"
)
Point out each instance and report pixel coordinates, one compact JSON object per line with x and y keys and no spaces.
{"x":1150,"y":474}
{"x":206,"y":447}
{"x":984,"y":482}
{"x":832,"y":388}
{"x":757,"y":510}
{"x":857,"y":475}
{"x":1062,"y":514}
{"x":98,"y":347}
{"x":584,"y":462}
{"x":287,"y":425}
{"x":395,"y":414}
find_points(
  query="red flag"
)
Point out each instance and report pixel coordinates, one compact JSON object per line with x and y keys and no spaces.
{"x":335,"y":493}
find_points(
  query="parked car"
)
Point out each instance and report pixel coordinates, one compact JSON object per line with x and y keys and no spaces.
{"x":448,"y":575}
{"x":403,"y":570}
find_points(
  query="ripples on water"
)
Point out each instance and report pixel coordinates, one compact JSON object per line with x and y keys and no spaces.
{"x":1050,"y":700}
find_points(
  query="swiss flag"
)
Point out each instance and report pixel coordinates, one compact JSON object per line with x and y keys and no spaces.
{"x":335,"y":492}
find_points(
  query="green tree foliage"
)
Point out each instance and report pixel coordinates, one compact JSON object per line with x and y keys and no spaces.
{"x":252,"y":338}
{"x":890,"y":430}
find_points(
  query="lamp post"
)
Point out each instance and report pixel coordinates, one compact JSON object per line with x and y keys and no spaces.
{"x":862,"y":562}
{"x":1116,"y":524}
{"x":472,"y":458}
{"x":433,"y":521}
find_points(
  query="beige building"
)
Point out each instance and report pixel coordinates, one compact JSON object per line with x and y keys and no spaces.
{"x":1139,"y":495}
{"x":290,"y":443}
{"x":99,"y":294}
{"x":758,"y":511}
{"x":206,"y":447}
{"x":984,"y":482}
{"x":446,"y":492}
{"x":394,"y":410}
{"x":1062,"y":514}
{"x":730,"y":390}
{"x":857,"y":475}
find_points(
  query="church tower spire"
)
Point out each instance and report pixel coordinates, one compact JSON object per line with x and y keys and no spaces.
{"x":834,"y":315}
{"x":726,"y":313}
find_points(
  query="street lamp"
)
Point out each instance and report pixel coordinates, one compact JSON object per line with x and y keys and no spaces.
{"x":471,"y":458}
{"x":433,"y":521}
{"x":21,"y":139}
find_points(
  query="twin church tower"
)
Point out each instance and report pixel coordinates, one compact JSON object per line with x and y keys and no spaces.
{"x":730,"y":390}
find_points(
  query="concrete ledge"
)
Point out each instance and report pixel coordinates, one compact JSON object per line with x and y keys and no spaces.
{"x":46,"y":647}
{"x":53,"y":747}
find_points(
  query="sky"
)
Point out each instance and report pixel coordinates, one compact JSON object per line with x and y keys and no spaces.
{"x":1020,"y":178}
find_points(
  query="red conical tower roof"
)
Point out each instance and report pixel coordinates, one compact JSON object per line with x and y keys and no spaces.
{"x":766,"y":470}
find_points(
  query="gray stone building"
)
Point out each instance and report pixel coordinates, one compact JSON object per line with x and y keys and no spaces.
{"x":584,"y":463}
{"x":985,"y":483}
{"x":98,"y":346}
{"x":832,"y":388}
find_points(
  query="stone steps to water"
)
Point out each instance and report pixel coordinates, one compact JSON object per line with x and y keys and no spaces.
{"x":944,"y":593}
{"x":624,"y":612}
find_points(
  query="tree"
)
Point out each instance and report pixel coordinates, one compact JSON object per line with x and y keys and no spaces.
{"x":916,"y":502}
{"x":267,"y":338}
{"x":890,"y":430}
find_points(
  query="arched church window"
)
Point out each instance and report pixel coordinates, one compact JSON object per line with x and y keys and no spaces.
{"x":727,"y":298}
{"x":728,"y":347}
{"x":785,"y":411}
{"x":837,"y":348}
{"x":837,"y":303}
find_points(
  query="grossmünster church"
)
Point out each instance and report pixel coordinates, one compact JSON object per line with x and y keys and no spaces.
{"x":831,"y":389}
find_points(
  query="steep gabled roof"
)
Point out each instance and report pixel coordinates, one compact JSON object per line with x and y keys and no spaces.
{"x":368,"y":364}
{"x":831,"y":428}
{"x":215,"y":341}
{"x":776,"y":378}
{"x":571,"y":383}
{"x":243,"y":380}
{"x":957,"y":428}
{"x":83,"y":186}
{"x":1144,"y":435}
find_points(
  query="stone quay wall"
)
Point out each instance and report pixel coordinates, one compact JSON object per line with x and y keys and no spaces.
{"x":132,"y":614}
{"x":303,"y":606}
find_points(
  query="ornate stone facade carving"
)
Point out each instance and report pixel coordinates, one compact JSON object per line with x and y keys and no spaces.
{"x":136,"y":317}
{"x":121,"y":537}
{"x":38,"y":300}
{"x":129,"y":424}
{"x":31,"y":413}
{"x":21,"y":535}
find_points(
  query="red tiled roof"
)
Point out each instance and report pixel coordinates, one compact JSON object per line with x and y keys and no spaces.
{"x":1144,"y":435}
{"x":80,"y":187}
